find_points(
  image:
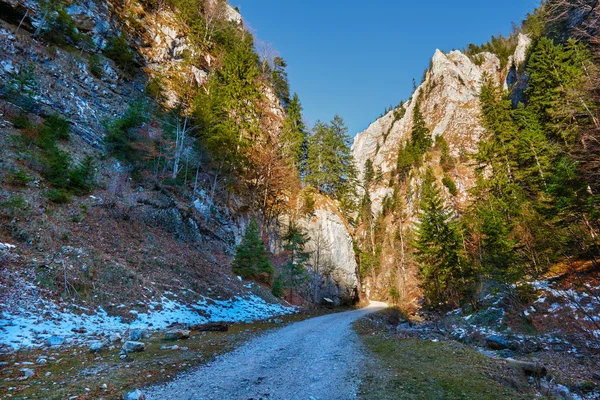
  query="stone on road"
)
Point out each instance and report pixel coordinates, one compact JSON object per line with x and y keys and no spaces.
{"x":317,"y":358}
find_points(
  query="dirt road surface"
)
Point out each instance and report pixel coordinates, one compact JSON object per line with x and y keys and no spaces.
{"x":316,"y":359}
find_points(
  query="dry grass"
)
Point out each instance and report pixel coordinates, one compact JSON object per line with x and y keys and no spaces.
{"x":413,"y":368}
{"x":77,"y":372}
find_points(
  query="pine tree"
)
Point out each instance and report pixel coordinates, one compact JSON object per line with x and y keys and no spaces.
{"x":405,"y":161}
{"x":251,"y":258}
{"x":420,"y":135}
{"x":279,"y":79}
{"x":293,"y":135}
{"x":556,"y":72}
{"x":369,"y":173}
{"x":438,"y":246}
{"x":329,"y":166}
{"x":295,"y":273}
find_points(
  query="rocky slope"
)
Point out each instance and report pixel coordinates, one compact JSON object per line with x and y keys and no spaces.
{"x":449,"y":104}
{"x":131,"y":248}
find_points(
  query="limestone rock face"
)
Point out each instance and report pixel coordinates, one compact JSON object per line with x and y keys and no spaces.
{"x":332,"y":254}
{"x":449,"y":103}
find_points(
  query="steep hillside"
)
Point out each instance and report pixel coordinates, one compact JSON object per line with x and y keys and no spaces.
{"x":449,"y":104}
{"x":448,"y":100}
{"x":120,"y":198}
{"x":477,"y":146}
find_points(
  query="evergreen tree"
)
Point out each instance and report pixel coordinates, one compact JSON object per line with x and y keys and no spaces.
{"x":438,"y":247}
{"x":329,"y":166}
{"x":369,"y":173}
{"x":556,"y":72}
{"x":405,"y":161}
{"x":279,"y":79}
{"x":293,"y":135}
{"x":251,"y":258}
{"x":420,"y":135}
{"x":295,"y":273}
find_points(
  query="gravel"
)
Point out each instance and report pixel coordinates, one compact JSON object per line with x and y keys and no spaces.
{"x":318,"y":358}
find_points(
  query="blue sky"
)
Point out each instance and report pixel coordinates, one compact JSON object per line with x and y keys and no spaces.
{"x":355,"y":58}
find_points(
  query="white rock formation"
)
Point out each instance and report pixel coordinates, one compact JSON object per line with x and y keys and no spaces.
{"x":332,"y":252}
{"x":450,"y":106}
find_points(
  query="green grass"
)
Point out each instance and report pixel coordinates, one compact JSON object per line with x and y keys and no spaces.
{"x":422,"y":369}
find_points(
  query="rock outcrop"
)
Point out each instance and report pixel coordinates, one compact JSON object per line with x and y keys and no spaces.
{"x":448,"y":101}
{"x":333,"y":261}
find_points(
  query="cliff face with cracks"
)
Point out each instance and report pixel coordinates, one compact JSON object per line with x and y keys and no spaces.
{"x":135,"y":228}
{"x":449,"y":103}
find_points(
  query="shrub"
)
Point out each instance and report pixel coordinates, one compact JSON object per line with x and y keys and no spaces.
{"x":19,"y":178}
{"x":58,"y":196}
{"x":155,"y":89}
{"x":120,"y":52}
{"x":21,"y":86}
{"x":278,"y":288}
{"x":56,"y":166}
{"x":95,"y":66}
{"x":59,"y":26}
{"x":449,"y":183}
{"x":54,"y":128}
{"x":21,"y":121}
{"x":251,"y":258}
{"x":81,"y":178}
{"x":12,"y":206}
{"x":122,"y":136}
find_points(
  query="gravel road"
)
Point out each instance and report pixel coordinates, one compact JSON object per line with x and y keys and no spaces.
{"x":316,"y":359}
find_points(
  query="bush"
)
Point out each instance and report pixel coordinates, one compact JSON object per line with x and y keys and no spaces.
{"x":21,"y":121}
{"x":58,"y":196}
{"x":59,"y":27}
{"x":449,"y":183}
{"x":13,"y":206}
{"x":81,"y":178}
{"x":155,"y":90}
{"x":22,"y":86}
{"x":19,"y":178}
{"x":120,"y":52}
{"x":95,"y":66}
{"x":122,"y":136}
{"x":54,"y":128}
{"x":251,"y":258}
{"x":278,"y":288}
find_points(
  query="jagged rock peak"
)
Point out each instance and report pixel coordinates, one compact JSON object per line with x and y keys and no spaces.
{"x":449,"y":103}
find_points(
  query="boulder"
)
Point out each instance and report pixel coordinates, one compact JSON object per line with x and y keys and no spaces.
{"x":133,"y":347}
{"x":135,"y":395}
{"x":98,"y":346}
{"x":212,"y":327}
{"x":55,"y":341}
{"x":136,"y":335}
{"x":496,"y":342}
{"x":403,"y":326}
{"x":177,"y":334}
{"x":528,"y":368}
{"x":27,"y":373}
{"x":115,"y":337}
{"x":327,"y":302}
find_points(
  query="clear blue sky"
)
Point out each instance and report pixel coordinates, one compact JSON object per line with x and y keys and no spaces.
{"x":355,"y":58}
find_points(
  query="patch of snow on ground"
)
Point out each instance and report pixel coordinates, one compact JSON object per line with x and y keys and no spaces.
{"x":29,"y":329}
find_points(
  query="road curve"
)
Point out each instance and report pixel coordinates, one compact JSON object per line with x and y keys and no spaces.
{"x":318,"y":358}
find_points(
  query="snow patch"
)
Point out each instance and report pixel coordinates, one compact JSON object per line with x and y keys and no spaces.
{"x":25,"y":328}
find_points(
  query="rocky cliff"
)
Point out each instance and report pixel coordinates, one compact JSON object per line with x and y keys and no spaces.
{"x":132,"y":243}
{"x":333,"y":261}
{"x":448,"y":100}
{"x":449,"y":103}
